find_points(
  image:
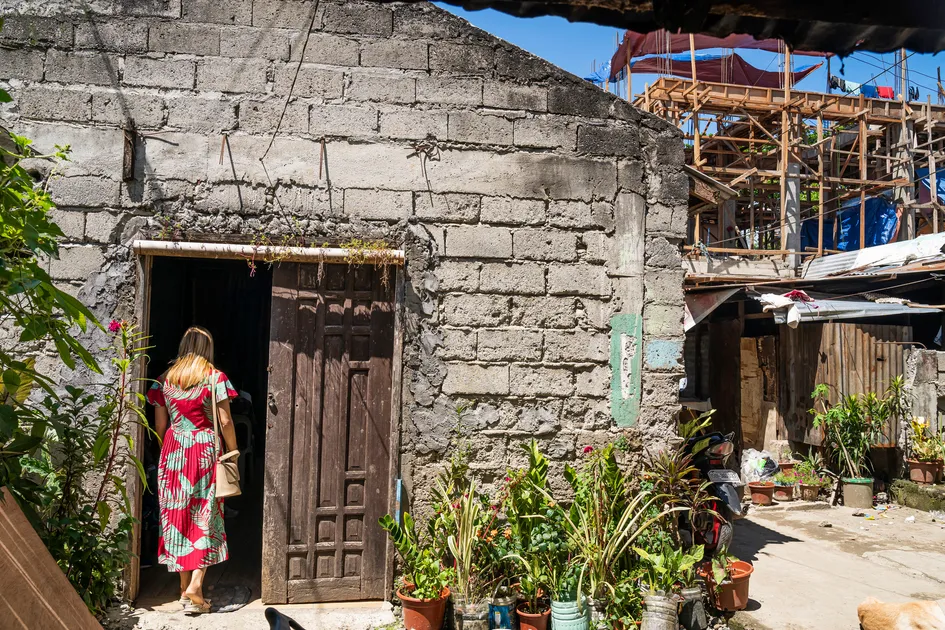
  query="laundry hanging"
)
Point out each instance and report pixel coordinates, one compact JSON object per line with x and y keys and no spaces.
{"x":713,"y":68}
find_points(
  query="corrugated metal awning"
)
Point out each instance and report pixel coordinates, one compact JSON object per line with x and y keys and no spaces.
{"x":825,"y":309}
{"x":882,"y":258}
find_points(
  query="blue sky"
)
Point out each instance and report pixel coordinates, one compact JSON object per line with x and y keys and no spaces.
{"x":576,"y":46}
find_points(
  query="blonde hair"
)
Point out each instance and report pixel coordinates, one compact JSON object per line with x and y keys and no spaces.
{"x":194,"y":360}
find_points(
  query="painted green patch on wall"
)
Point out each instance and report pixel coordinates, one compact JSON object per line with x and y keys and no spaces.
{"x":626,"y":368}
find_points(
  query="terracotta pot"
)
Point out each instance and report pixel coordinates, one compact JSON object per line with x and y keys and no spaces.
{"x":924,"y":473}
{"x":786,"y":467}
{"x":783,"y":493}
{"x":531,"y":621}
{"x":761,"y":492}
{"x":809,"y":493}
{"x":424,"y":614}
{"x":734,"y":592}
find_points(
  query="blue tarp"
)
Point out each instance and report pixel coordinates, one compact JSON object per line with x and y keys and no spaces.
{"x":922,"y":176}
{"x":881,"y":224}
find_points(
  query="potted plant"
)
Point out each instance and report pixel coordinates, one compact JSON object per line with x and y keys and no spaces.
{"x":762,"y":492}
{"x":851,"y":427}
{"x":568,"y":611}
{"x":809,"y":479}
{"x":664,"y":572}
{"x":425,"y":580}
{"x":728,"y":581}
{"x":925,"y":465}
{"x":787,"y":463}
{"x":784,"y":483}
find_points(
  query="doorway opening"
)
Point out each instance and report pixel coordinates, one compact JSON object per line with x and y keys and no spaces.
{"x":223,"y":297}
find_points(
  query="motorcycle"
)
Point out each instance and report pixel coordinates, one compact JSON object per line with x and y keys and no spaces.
{"x":713,"y":526}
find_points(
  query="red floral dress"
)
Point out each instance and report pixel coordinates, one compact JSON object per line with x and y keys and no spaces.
{"x":192,"y":535}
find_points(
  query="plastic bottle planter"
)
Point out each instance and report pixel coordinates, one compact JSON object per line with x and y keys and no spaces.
{"x":424,"y":614}
{"x":692,"y":615}
{"x":660,"y":613}
{"x":762,"y":492}
{"x":570,"y":616}
{"x":470,"y":616}
{"x":502,"y":614}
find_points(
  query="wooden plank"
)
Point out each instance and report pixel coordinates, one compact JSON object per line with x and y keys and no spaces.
{"x":34,"y":592}
{"x":396,"y":418}
{"x":278,"y":434}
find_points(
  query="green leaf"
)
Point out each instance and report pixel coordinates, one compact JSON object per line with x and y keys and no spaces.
{"x":5,"y":96}
{"x":100,"y":448}
{"x":9,"y":422}
{"x":104,"y":513}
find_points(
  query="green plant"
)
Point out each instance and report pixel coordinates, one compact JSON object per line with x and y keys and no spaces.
{"x":722,"y":567}
{"x":808,"y":471}
{"x":467,"y":523}
{"x":926,"y":446}
{"x":851,"y":427}
{"x":422,"y":562}
{"x":625,"y":605}
{"x":785,"y":478}
{"x":671,"y":567}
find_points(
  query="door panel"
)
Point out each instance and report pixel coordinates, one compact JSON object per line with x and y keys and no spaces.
{"x":329,"y":434}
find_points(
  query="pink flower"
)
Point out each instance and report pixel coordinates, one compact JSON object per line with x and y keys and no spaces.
{"x":508,"y":479}
{"x":115,"y":325}
{"x":588,"y":449}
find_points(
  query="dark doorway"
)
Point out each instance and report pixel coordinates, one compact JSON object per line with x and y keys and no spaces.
{"x":223,"y":297}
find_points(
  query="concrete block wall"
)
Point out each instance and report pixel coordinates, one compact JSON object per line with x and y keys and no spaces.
{"x":925,"y":380}
{"x":533,"y":207}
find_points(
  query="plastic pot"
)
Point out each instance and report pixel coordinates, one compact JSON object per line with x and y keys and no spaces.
{"x":924,"y":473}
{"x":783,"y":493}
{"x":502,"y":613}
{"x":423,"y":614}
{"x":470,"y":615}
{"x":692,"y":614}
{"x":761,"y":492}
{"x":660,"y":612}
{"x":532,"y":621}
{"x":570,"y":616}
{"x":733,"y":593}
{"x":809,"y":493}
{"x":858,"y":493}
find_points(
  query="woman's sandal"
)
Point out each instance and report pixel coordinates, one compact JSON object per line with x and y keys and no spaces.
{"x":194,"y":609}
{"x":184,"y":600}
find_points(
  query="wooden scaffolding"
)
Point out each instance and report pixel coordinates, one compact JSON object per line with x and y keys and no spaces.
{"x":794,"y":156}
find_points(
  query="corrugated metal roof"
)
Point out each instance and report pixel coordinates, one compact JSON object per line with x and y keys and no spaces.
{"x":823,"y":308}
{"x":916,"y":254}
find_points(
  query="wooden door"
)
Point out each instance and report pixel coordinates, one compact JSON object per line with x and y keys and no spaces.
{"x":328,"y":434}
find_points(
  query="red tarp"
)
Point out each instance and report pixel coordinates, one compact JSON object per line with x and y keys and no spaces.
{"x":728,"y":69}
{"x":661,"y":42}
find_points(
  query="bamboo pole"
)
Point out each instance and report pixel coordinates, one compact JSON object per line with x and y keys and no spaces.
{"x":629,"y":76}
{"x":861,"y":137}
{"x":692,"y":55}
{"x":820,"y":185}
{"x":785,"y":144}
{"x":288,"y":254}
{"x":933,"y":190}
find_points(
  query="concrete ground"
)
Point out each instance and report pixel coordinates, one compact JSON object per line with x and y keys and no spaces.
{"x":809,"y":575}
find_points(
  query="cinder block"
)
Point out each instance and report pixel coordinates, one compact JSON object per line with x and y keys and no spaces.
{"x":597,"y":246}
{"x":545,"y":245}
{"x":609,"y":140}
{"x":660,"y":252}
{"x":365,"y":19}
{"x":669,"y":219}
{"x":32,"y":30}
{"x":282,"y":14}
{"x":84,"y":192}
{"x":630,"y":176}
{"x":395,"y":53}
{"x":544,"y":312}
{"x":461,"y":58}
{"x":95,"y":150}
{"x":246,"y":41}
{"x":71,"y":222}
{"x":384,"y":89}
{"x":312,"y":82}
{"x":180,"y":37}
{"x":76,"y":262}
{"x":423,"y":21}
{"x":664,"y":287}
{"x":177,"y":156}
{"x":463,"y":378}
{"x":217,"y":11}
{"x":385,"y":205}
{"x":101,"y":227}
{"x":342,"y":120}
{"x":660,"y":389}
{"x":457,"y":344}
{"x":22,"y":64}
{"x":449,"y":91}
{"x":455,"y":275}
{"x":575,"y":346}
{"x":593,"y":382}
{"x":125,"y":36}
{"x":93,"y":68}
{"x":479,"y":129}
{"x":661,"y":320}
{"x":232,"y":75}
{"x":508,"y":211}
{"x":522,"y":66}
{"x":447,"y":208}
{"x":508,"y":95}
{"x":513,"y":278}
{"x":475,"y":310}
{"x":478,"y":242}
{"x":204,"y":115}
{"x":45,"y":102}
{"x":115,"y":107}
{"x":289,"y":160}
{"x":578,"y":100}
{"x":663,"y":354}
{"x":581,"y":214}
{"x":534,"y":380}
{"x":413,"y":124}
{"x":167,"y":72}
{"x":260,"y":117}
{"x":544,"y":133}
{"x":512,"y":344}
{"x":332,"y":50}
{"x":578,"y":280}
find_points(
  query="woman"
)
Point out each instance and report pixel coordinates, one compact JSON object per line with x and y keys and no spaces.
{"x":192,"y":536}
